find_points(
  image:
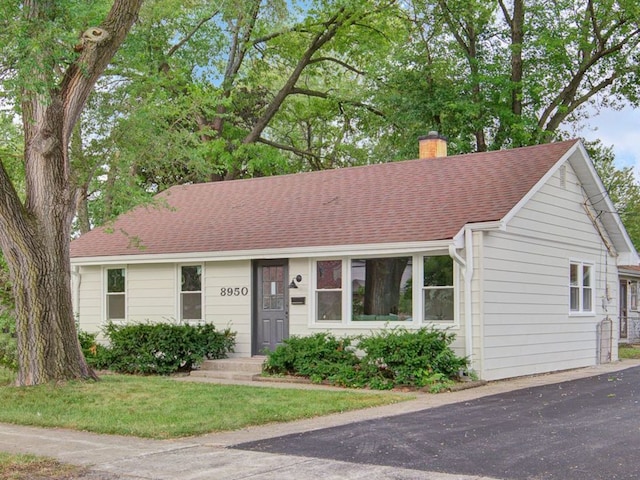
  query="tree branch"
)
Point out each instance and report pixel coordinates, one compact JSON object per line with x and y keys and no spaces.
{"x":325,"y":95}
{"x":505,"y":12}
{"x":287,"y":148}
{"x":320,"y":39}
{"x":594,"y":24}
{"x":567,"y":94}
{"x":559,"y":116}
{"x":339,"y":62}
{"x":12,"y":211}
{"x":99,"y":45}
{"x":189,"y":35}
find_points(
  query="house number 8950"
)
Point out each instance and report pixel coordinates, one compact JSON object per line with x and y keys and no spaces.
{"x":234,"y":292}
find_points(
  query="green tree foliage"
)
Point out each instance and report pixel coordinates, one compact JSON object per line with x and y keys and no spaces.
{"x":207,"y":92}
{"x":494,"y":75}
{"x":621,"y":186}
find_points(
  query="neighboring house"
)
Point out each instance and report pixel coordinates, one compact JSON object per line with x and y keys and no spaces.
{"x":629,"y":311}
{"x":514,"y":251}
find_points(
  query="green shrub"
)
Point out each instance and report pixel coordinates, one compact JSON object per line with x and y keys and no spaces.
{"x":406,"y":357}
{"x":96,"y":354}
{"x":397,"y":357}
{"x":164,"y":348}
{"x":318,"y":357}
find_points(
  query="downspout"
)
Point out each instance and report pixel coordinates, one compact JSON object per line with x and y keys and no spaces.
{"x":467,"y":273}
{"x":75,"y":282}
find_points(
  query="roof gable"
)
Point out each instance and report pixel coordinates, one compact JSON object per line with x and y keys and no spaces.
{"x":409,"y":201}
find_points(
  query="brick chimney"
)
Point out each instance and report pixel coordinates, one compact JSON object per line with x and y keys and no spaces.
{"x":432,"y":145}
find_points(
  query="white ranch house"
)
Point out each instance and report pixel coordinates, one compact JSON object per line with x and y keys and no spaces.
{"x":517,"y":252}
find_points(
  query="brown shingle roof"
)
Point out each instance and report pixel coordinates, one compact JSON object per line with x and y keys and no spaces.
{"x":416,"y":200}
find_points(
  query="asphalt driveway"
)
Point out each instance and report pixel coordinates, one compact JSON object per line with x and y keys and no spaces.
{"x":586,"y":429}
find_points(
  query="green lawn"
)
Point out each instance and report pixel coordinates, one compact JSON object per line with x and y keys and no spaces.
{"x":628,"y":351}
{"x":160,"y":407}
{"x":28,"y":467}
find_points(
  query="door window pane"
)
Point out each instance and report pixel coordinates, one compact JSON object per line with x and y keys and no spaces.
{"x":272,"y":287}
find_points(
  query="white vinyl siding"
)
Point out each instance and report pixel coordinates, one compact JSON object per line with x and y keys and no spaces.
{"x":151,"y":293}
{"x":524,"y":311}
{"x":232,"y":311}
{"x":88,"y":298}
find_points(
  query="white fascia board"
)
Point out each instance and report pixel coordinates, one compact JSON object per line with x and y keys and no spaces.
{"x":579,"y":160}
{"x":458,"y":239}
{"x":611,"y":219}
{"x":300,"y":252}
{"x":628,"y":258}
{"x":545,"y":178}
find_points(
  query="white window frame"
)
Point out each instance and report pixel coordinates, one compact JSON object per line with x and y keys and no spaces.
{"x":634,"y":289}
{"x":106,"y":294}
{"x":316,"y":290}
{"x":417,"y":304}
{"x":179,"y":315}
{"x":455,"y":323}
{"x":580,"y":287}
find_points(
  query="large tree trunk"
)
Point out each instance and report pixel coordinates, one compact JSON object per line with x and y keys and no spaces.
{"x":35,"y":235}
{"x":48,"y":347}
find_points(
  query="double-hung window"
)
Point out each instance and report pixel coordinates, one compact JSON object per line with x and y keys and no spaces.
{"x":329,"y":290}
{"x":581,"y":290}
{"x":116,"y":294}
{"x":633,"y":296}
{"x":438,"y":289}
{"x":191,"y":292}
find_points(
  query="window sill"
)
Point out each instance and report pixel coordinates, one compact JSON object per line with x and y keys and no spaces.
{"x":382,"y":325}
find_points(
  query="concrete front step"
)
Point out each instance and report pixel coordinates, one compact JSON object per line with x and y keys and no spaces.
{"x":252,"y":364}
{"x":230,"y":368}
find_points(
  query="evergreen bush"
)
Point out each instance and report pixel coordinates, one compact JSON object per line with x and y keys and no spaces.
{"x":164,"y":348}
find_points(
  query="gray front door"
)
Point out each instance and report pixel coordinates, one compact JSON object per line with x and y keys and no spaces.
{"x":271,"y":304}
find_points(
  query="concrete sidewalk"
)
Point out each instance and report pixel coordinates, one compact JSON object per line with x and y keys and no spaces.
{"x":206,"y":457}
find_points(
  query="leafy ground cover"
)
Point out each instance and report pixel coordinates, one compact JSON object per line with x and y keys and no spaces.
{"x":388,"y":359}
{"x":161,"y":407}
